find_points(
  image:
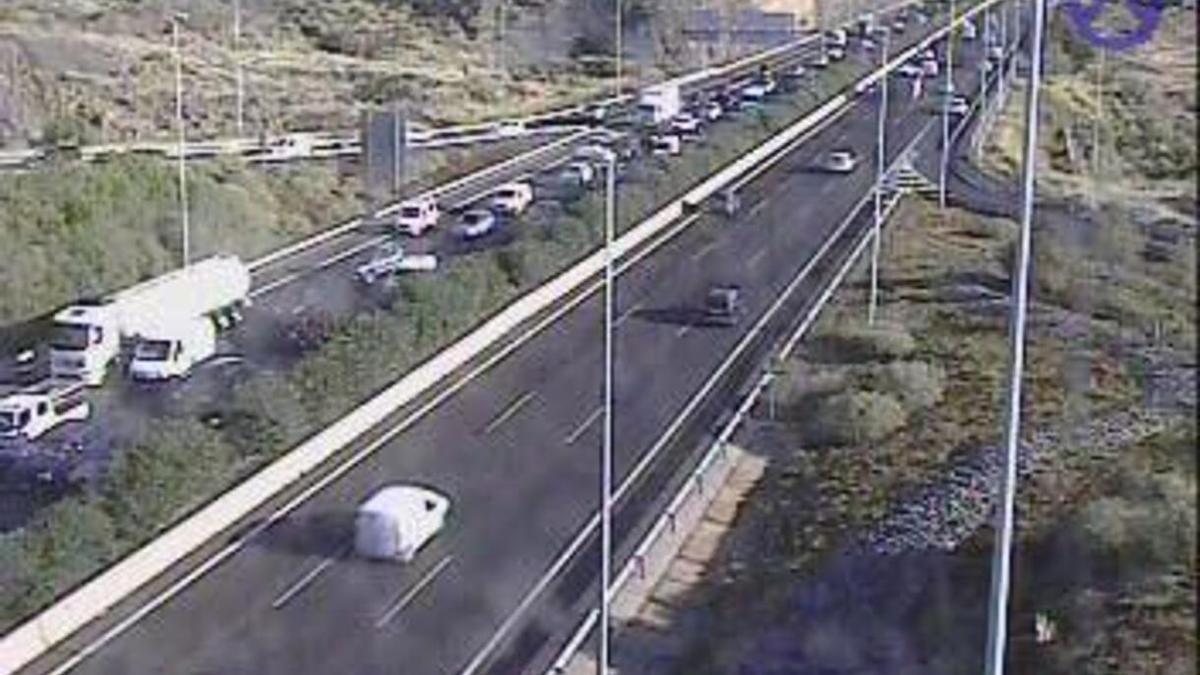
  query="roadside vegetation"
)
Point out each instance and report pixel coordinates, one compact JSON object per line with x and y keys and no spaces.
{"x":86,"y":229}
{"x":340,"y":362}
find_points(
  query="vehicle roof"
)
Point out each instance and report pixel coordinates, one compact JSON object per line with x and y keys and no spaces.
{"x":417,"y":201}
{"x":401,"y":498}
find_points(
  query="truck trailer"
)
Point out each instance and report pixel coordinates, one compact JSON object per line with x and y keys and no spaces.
{"x":89,"y":336}
{"x":658,"y":104}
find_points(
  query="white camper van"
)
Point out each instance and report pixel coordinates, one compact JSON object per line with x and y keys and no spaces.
{"x":396,"y":521}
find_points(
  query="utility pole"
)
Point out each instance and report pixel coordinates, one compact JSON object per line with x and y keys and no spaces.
{"x":237,"y":55}
{"x":880,"y":168}
{"x":1001,"y":560}
{"x":947,"y":93}
{"x":176,"y":19}
{"x":606,"y":461}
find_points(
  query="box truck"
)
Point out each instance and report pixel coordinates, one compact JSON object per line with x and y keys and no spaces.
{"x":658,"y":104}
{"x":170,"y":349}
{"x":89,"y":336}
{"x":397,"y":520}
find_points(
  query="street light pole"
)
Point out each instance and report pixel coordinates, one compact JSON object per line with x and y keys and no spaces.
{"x":183,"y":195}
{"x":1001,"y":552}
{"x":946,"y":95}
{"x":606,"y":462}
{"x":237,"y":55}
{"x":880,"y":163}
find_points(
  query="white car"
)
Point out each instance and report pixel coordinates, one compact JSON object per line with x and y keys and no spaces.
{"x":389,"y":260}
{"x":513,"y":198}
{"x":995,"y":53}
{"x":753,"y":93}
{"x":835,"y":53}
{"x":476,"y":223}
{"x":712,"y":111}
{"x":819,"y":61}
{"x":930,"y":67}
{"x":910,"y":69}
{"x":417,"y":215}
{"x":665,"y":144}
{"x":836,"y":37}
{"x":685,"y":124}
{"x":595,"y":153}
{"x":508,"y":129}
{"x":841,"y":161}
{"x":959,"y":106}
{"x":578,"y":173}
{"x":898,"y":26}
{"x":397,"y":521}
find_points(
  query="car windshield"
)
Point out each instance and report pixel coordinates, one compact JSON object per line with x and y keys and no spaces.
{"x":506,"y":194}
{"x":410,"y":212}
{"x":474,"y":218}
{"x":9,"y":422}
{"x":152,"y":350}
{"x":70,"y":337}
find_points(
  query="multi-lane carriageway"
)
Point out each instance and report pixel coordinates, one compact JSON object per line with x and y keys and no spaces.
{"x":516,"y":447}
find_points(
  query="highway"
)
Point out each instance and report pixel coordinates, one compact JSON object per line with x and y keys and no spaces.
{"x":517,"y":450}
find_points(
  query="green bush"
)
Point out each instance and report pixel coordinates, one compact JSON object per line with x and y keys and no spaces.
{"x":65,"y":545}
{"x":179,"y":464}
{"x":859,"y":343}
{"x":917,"y":384}
{"x":853,"y":417}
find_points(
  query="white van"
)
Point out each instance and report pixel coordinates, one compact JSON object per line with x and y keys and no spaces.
{"x":417,"y":215}
{"x":171,"y":350}
{"x":396,"y":521}
{"x":513,"y":198}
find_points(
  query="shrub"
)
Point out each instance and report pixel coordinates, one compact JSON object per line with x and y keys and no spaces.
{"x":177,"y":465}
{"x":860,"y":343}
{"x":917,"y":384}
{"x":61,"y":548}
{"x":854,"y":417}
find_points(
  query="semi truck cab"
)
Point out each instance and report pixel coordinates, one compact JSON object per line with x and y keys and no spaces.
{"x":85,"y":340}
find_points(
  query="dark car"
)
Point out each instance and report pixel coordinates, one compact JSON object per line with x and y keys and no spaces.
{"x":723,"y":305}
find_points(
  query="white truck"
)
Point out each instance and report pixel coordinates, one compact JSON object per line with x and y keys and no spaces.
{"x":658,"y":104}
{"x":170,"y":350}
{"x":397,"y":520}
{"x":29,"y":412}
{"x":89,"y":336}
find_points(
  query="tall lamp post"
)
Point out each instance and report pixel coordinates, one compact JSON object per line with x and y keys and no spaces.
{"x":880,"y":168}
{"x":237,"y":55}
{"x":1002,"y":550}
{"x":176,"y":20}
{"x":606,"y":462}
{"x":947,"y":93}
